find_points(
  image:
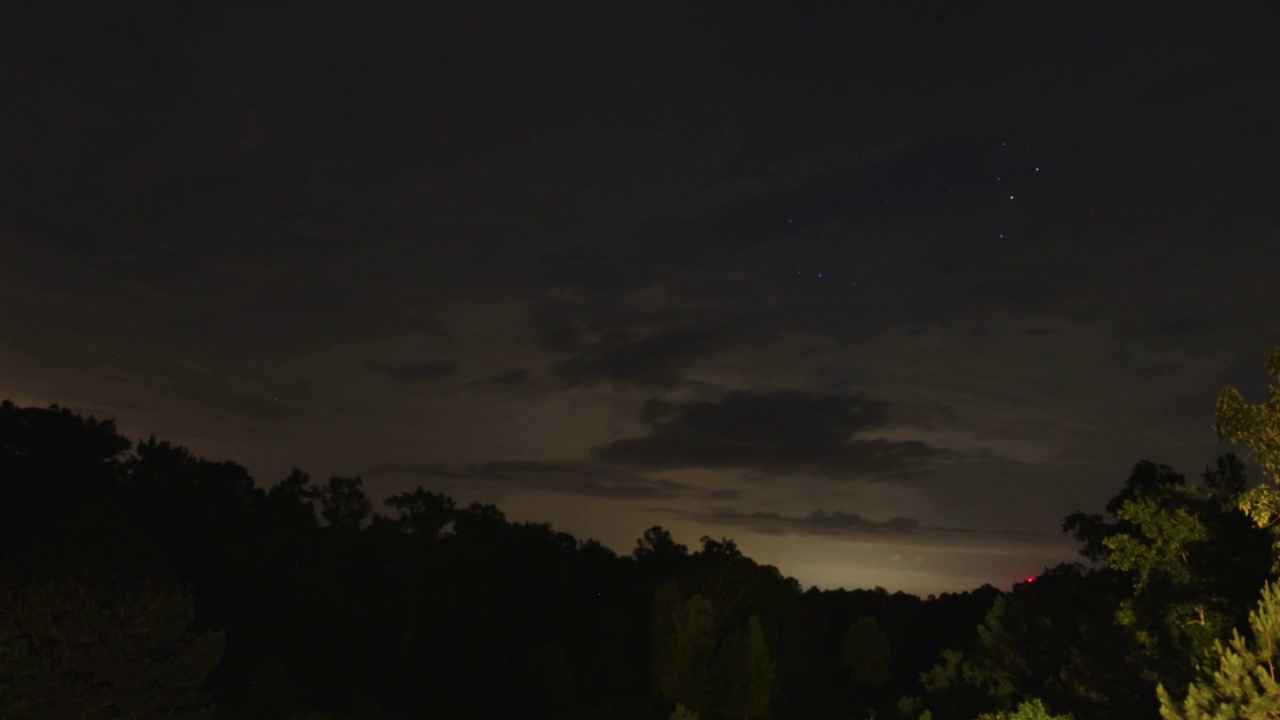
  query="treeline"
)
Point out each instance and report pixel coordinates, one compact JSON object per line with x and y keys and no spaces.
{"x":301,"y":601}
{"x":141,"y":581}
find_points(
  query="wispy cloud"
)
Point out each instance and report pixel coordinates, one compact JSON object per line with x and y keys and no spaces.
{"x":422,"y":371}
{"x":563,"y":477}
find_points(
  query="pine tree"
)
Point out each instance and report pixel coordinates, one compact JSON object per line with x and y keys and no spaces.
{"x":744,"y":674}
{"x":104,"y":650}
{"x":92,"y":625}
{"x":1239,"y":679}
{"x":866,"y":652}
{"x":684,"y":638}
{"x":1032,"y":709}
{"x":683,"y":713}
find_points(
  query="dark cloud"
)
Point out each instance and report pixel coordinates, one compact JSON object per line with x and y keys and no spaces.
{"x":1157,"y":369}
{"x":818,"y":522}
{"x":779,"y":430}
{"x":566,"y":477}
{"x":650,"y":361}
{"x":594,"y":275}
{"x":561,"y":339}
{"x":504,"y":381}
{"x":423,"y":371}
{"x":723,"y":495}
{"x":922,"y":412}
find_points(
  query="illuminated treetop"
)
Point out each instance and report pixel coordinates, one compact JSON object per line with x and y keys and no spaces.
{"x":1258,"y":426}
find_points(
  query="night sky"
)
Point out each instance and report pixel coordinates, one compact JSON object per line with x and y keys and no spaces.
{"x":880,"y":290}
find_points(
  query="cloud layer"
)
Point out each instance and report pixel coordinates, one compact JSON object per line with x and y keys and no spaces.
{"x":787,"y":431}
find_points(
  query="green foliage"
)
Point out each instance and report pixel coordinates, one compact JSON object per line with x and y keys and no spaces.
{"x":1166,"y":523}
{"x":1055,"y":639}
{"x":999,"y":667}
{"x":1258,"y":426}
{"x":955,"y":687}
{"x":944,"y":675}
{"x":684,"y":639}
{"x":715,"y":623}
{"x":744,"y":673}
{"x":1175,"y":612}
{"x":1092,"y":530}
{"x":1239,"y":679}
{"x":909,"y":706}
{"x":1191,"y":559}
{"x":1261,"y":504}
{"x":1032,"y":709}
{"x":995,"y":668}
{"x":866,"y":652}
{"x":683,"y":713}
{"x":733,"y":676}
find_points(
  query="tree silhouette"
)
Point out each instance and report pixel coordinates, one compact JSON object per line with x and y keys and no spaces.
{"x":684,"y":639}
{"x":49,"y":460}
{"x":343,"y":503}
{"x":1227,"y":479}
{"x":548,"y":685}
{"x":100,"y":629}
{"x":290,"y":502}
{"x":658,"y":544}
{"x":441,"y":610}
{"x":866,"y":652}
{"x":744,"y":673}
{"x":423,"y":514}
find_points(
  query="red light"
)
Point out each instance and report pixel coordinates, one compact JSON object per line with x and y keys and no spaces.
{"x":1031,"y":579}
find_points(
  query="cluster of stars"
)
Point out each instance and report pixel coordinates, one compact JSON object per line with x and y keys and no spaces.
{"x":1004,"y":215}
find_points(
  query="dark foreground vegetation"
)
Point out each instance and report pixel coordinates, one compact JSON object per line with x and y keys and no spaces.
{"x":140,"y":581}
